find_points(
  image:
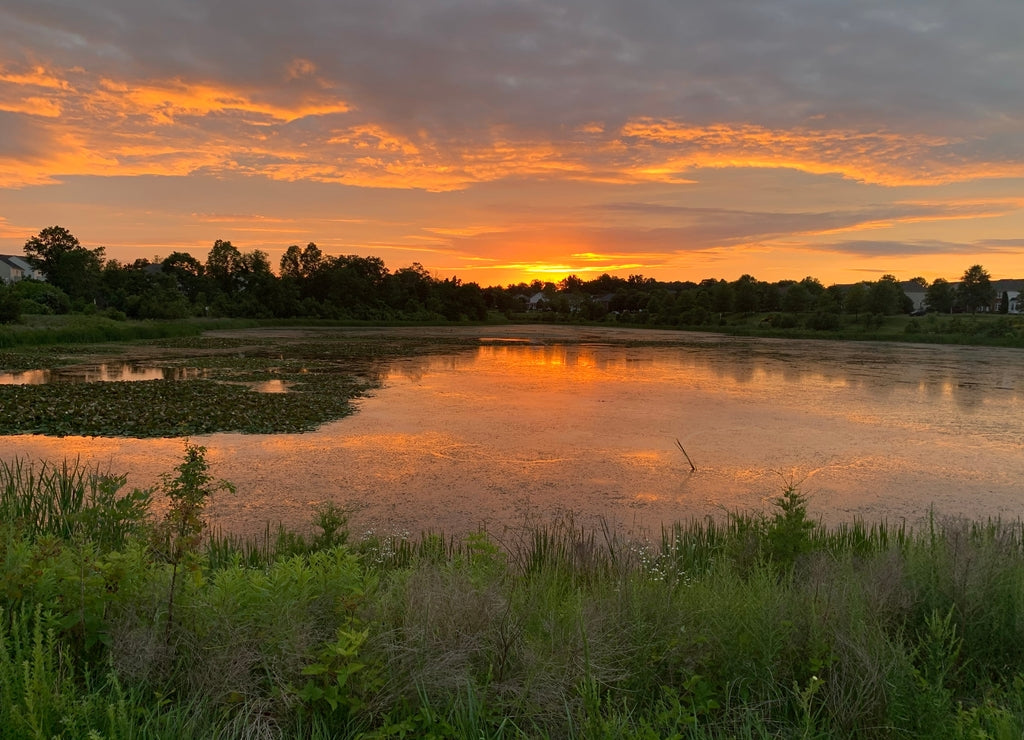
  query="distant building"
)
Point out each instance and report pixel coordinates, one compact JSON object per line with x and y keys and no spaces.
{"x":1013,"y":290}
{"x":538,"y":302}
{"x":915,"y":293}
{"x":14,"y":268}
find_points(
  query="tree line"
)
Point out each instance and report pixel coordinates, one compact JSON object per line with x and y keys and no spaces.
{"x":311,"y":284}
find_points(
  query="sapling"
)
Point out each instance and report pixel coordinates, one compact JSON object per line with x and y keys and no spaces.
{"x":183,"y":525}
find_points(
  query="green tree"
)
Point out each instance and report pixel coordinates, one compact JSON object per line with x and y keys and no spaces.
{"x":885,"y":296}
{"x":797,"y":298}
{"x":940,"y":296}
{"x":224,"y":265}
{"x":976,"y":289}
{"x":10,"y":306}
{"x":291,"y":262}
{"x":746,"y":294}
{"x":41,"y":298}
{"x":312,"y":260}
{"x":187,"y":271}
{"x":856,"y":298}
{"x":66,"y":263}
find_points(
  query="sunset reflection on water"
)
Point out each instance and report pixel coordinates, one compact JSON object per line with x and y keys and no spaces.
{"x":534,"y":428}
{"x":101,"y":373}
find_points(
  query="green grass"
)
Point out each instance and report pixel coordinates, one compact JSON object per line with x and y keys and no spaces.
{"x":754,"y":625}
{"x":964,"y":329}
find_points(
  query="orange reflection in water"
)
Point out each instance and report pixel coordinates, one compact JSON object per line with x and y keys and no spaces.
{"x":101,"y":373}
{"x":521,"y":431}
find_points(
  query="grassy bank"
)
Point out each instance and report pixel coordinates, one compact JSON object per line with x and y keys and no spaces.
{"x":122,"y":624}
{"x":992,"y":330}
{"x":968,"y":329}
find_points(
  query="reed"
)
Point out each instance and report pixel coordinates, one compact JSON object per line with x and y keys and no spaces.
{"x":750,"y":625}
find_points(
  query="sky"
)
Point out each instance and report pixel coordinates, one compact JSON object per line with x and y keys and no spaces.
{"x":501,"y":141}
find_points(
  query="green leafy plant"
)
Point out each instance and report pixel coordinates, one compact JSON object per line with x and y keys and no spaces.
{"x":181,"y":533}
{"x":788,"y":531}
{"x":336,"y":663}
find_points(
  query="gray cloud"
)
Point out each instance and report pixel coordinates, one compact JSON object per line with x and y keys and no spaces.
{"x":893,"y":248}
{"x":708,"y":228}
{"x":456,"y":67}
{"x":19,"y":138}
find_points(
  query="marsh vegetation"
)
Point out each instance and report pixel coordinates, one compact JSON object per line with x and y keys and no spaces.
{"x":119,"y":623}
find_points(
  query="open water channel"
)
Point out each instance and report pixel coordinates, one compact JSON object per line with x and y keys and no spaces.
{"x":544,"y":422}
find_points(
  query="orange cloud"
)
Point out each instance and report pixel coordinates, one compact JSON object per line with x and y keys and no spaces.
{"x":90,"y":125}
{"x":33,"y":106}
{"x":166,"y":101}
{"x":669,"y":147}
{"x":37,"y":76}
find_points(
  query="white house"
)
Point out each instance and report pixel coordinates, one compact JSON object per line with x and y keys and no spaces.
{"x":538,"y":301}
{"x":1016,"y":301}
{"x":14,"y":268}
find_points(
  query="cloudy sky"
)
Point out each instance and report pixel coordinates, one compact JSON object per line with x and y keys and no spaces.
{"x":507,"y":140}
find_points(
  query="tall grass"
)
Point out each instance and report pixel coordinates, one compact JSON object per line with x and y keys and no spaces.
{"x":61,"y":500}
{"x":754,"y":625}
{"x":79,"y":329}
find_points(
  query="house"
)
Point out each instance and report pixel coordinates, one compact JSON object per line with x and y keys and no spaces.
{"x":916,"y":293}
{"x":1013,"y":290}
{"x":14,"y":268}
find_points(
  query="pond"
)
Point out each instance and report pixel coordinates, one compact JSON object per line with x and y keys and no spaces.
{"x":537,"y":423}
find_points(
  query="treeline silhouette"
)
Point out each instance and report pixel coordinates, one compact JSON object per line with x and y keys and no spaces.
{"x":311,"y":284}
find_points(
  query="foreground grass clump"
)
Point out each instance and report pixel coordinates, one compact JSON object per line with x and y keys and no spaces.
{"x":115,"y":623}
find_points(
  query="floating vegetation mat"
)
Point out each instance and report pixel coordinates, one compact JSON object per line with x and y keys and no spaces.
{"x":171,"y":408}
{"x":321,"y":378}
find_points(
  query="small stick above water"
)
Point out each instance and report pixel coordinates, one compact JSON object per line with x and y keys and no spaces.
{"x":680,"y":446}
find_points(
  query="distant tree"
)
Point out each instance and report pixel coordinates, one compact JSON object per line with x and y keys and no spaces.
{"x":571,"y":284}
{"x":223,"y":265}
{"x":301,"y":263}
{"x":976,"y":289}
{"x":57,"y":253}
{"x":745,"y":294}
{"x":187,"y":271}
{"x":291,"y":262}
{"x":856,"y":298}
{"x":940,"y":296}
{"x":813,"y":285}
{"x":722,"y":297}
{"x":796,"y":299}
{"x":604,"y":285}
{"x":885,"y":296}
{"x":10,"y":305}
{"x":41,"y":298}
{"x":409,"y":289}
{"x":837,"y":296}
{"x":312,"y":259}
{"x":1004,"y":303}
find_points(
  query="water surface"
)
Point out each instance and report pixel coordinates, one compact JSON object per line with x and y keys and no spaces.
{"x":528,"y":427}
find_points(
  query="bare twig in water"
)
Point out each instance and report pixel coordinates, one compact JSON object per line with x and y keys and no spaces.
{"x":680,"y":446}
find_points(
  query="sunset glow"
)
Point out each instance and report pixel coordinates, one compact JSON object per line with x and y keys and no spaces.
{"x":523,"y":141}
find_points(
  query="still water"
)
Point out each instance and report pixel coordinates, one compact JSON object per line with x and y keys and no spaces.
{"x":528,"y":427}
{"x":101,"y":373}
